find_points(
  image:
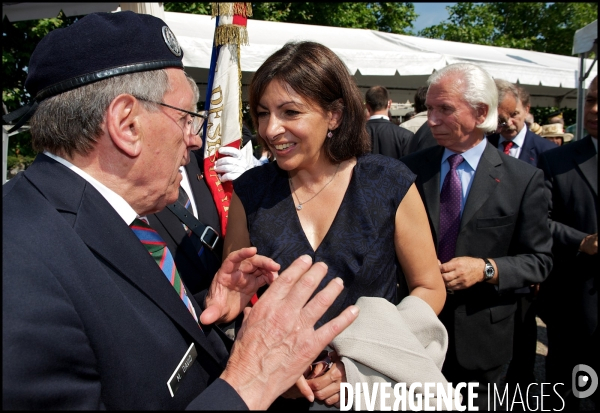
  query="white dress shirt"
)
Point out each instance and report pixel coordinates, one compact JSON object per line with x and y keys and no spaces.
{"x":185,"y":184}
{"x":115,"y":200}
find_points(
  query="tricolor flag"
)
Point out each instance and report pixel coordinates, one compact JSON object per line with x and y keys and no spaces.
{"x":224,"y":96}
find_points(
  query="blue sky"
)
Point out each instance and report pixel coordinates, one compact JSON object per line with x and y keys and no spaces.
{"x":430,"y":14}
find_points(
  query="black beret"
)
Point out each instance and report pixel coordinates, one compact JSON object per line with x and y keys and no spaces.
{"x":98,"y":46}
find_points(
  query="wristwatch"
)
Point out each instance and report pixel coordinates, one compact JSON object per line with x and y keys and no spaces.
{"x":488,"y":272}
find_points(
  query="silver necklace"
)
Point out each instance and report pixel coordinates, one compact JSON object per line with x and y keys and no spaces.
{"x":299,"y":206}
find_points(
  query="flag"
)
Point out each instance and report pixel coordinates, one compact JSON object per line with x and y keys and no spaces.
{"x":224,"y":97}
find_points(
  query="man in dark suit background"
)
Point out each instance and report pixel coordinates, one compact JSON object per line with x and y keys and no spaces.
{"x":386,"y":137}
{"x":568,"y":299}
{"x":488,"y":220}
{"x":420,"y":113}
{"x":196,"y":262}
{"x":93,"y":315}
{"x":516,"y":140}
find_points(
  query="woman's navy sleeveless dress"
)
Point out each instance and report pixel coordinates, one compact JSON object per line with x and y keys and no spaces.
{"x":359,"y":246}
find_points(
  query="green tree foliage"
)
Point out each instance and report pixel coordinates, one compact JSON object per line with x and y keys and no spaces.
{"x":192,"y":8}
{"x":542,"y":27}
{"x":386,"y":17}
{"x":18,"y":42}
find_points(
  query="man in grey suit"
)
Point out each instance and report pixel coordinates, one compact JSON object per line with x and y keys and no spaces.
{"x":516,"y":140}
{"x":568,"y":299}
{"x":488,"y":220}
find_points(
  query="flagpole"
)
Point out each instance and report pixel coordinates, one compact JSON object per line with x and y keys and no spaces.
{"x":224,"y":98}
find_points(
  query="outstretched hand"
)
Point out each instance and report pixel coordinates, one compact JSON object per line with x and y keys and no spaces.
{"x":278,"y":341}
{"x":242,"y":273}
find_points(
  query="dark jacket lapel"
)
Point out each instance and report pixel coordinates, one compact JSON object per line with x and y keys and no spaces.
{"x":105,"y":233}
{"x":172,"y":224}
{"x":485,"y":181}
{"x":429,"y":176}
{"x":528,"y":152}
{"x":207,"y":210}
{"x":587,"y":162}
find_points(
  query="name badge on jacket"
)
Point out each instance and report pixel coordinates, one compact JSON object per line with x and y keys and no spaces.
{"x":181,"y":370}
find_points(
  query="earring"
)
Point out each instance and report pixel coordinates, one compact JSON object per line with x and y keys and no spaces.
{"x":329,"y":134}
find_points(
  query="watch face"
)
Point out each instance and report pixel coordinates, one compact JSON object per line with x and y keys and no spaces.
{"x":489,"y":271}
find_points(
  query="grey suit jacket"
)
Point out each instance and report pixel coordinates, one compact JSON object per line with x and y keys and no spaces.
{"x":504,"y":218}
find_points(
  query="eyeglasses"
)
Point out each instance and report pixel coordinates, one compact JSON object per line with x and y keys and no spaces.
{"x":502,"y":124}
{"x":197,"y":118}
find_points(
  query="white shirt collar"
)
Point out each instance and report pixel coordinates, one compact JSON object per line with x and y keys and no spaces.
{"x":115,"y":200}
{"x":379,"y":117}
{"x":519,"y":139}
{"x":472,"y":156}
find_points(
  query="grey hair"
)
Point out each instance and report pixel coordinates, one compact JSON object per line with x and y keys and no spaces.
{"x":506,"y":88}
{"x":479,"y":89}
{"x":72,"y":121}
{"x":196,"y":92}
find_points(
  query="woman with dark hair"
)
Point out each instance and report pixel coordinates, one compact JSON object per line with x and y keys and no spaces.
{"x":326,"y":195}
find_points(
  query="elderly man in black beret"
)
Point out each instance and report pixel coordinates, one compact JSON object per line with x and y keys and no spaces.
{"x":94,"y":313}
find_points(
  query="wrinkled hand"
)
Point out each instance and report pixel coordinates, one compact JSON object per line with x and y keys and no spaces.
{"x":231,"y":166}
{"x":242,"y":273}
{"x":462,"y":272}
{"x":589,"y":245}
{"x":327,"y":386}
{"x":277,"y":340}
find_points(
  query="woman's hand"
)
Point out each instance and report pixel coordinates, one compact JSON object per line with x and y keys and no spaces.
{"x":326,"y":387}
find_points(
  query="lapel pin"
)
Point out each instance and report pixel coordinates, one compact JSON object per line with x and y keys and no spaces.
{"x":200,"y":177}
{"x":497,"y":180}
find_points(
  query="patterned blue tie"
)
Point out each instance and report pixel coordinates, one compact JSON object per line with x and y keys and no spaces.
{"x":450,"y":200}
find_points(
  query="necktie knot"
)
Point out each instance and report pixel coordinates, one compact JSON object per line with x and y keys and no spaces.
{"x":455,"y":160}
{"x":507,"y":146}
{"x":148,"y":236}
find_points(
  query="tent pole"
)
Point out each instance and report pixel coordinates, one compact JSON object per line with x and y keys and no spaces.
{"x":4,"y":155}
{"x":580,"y":97}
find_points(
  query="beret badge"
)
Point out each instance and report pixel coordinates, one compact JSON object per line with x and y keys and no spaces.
{"x":171,"y":41}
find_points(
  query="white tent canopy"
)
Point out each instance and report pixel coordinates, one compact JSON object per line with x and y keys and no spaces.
{"x":400,"y":63}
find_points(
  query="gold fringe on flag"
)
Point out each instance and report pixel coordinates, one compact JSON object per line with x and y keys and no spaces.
{"x":229,"y":9}
{"x":231,"y":33}
{"x":242,"y":9}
